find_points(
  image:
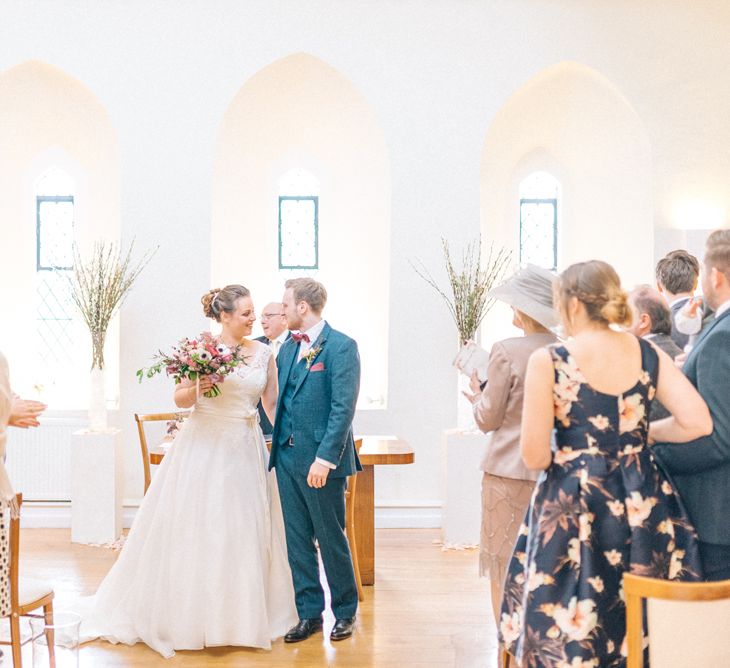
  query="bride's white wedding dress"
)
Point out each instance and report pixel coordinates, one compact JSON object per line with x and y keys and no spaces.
{"x":205,"y":562}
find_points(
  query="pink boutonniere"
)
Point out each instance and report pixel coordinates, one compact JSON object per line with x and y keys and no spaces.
{"x":311,"y":354}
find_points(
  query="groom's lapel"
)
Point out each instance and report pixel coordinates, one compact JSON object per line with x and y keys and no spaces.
{"x":319,"y":343}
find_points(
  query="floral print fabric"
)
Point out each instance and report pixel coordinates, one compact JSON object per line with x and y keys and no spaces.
{"x":600,"y":509}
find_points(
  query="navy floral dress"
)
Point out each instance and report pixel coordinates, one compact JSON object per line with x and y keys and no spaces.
{"x":600,"y":509}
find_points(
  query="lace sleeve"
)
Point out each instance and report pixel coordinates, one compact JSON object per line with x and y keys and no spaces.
{"x":261,"y":356}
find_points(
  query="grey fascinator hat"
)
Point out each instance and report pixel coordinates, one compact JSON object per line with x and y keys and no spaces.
{"x":530,"y":290}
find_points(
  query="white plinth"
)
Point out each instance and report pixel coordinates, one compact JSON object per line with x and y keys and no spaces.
{"x":96,"y":486}
{"x":462,"y":481}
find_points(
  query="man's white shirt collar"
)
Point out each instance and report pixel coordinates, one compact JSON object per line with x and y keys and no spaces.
{"x":678,"y":299}
{"x":313,"y":333}
{"x":722,"y":308}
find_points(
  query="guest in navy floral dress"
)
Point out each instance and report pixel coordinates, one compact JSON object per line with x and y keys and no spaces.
{"x":601,"y":507}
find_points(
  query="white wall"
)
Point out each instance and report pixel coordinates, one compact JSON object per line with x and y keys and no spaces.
{"x":571,"y":121}
{"x":436,"y":75}
{"x":300,"y":113}
{"x":47,"y":119}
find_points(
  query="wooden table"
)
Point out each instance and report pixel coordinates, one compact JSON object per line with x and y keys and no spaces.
{"x":374,"y":451}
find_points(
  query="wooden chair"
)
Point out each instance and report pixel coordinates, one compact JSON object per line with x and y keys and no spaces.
{"x":350,"y":524}
{"x":676,"y":618}
{"x":140,"y":419}
{"x":26,"y":595}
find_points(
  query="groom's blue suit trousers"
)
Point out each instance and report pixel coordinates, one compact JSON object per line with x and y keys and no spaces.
{"x":316,"y":513}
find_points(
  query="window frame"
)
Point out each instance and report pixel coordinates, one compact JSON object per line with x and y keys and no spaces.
{"x":315,"y":200}
{"x":543,"y":200}
{"x":39,"y":200}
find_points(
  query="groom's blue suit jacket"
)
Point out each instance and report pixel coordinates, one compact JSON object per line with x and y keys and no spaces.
{"x":701,"y":468}
{"x":322,"y":406}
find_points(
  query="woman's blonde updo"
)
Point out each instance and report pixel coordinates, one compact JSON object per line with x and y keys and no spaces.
{"x":222,"y":299}
{"x":597,"y":286}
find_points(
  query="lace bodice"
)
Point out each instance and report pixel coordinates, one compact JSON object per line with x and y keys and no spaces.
{"x":242,"y":388}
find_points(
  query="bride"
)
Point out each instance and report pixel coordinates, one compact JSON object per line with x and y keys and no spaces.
{"x":205,"y":562}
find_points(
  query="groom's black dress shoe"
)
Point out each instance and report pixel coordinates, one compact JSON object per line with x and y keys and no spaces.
{"x":304,"y":629}
{"x":343,"y":628}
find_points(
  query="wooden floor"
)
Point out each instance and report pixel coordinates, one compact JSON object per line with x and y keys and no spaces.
{"x":429,"y":608}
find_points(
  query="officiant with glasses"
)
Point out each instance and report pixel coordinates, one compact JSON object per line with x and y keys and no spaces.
{"x":507,"y":484}
{"x":273,"y":322}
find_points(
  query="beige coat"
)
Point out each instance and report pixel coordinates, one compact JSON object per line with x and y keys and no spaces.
{"x":6,"y":402}
{"x":499,"y":409}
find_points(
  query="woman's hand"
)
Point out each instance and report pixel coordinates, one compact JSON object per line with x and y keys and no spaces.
{"x":692,"y":307}
{"x":25,"y":412}
{"x":205,"y":384}
{"x":475,"y":387}
{"x":188,"y":391}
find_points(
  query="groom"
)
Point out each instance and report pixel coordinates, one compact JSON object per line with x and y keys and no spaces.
{"x":313,"y":451}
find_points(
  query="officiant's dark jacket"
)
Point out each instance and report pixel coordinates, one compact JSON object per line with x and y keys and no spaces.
{"x":701,"y":468}
{"x":317,"y":405}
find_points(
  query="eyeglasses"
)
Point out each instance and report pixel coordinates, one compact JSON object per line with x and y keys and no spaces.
{"x":268,"y":316}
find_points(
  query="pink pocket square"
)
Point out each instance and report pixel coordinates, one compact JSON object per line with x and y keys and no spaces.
{"x":319,"y":366}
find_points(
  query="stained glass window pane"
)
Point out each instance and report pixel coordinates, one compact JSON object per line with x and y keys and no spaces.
{"x":298,"y":232}
{"x":538,"y":232}
{"x":55,"y":232}
{"x":54,"y":315}
{"x":57,"y":328}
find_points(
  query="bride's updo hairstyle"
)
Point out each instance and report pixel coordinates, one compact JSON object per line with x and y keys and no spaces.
{"x":222,"y":299}
{"x":597,"y":286}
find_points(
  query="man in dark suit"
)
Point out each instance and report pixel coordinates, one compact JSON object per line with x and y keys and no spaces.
{"x":313,"y":451}
{"x":701,"y":468}
{"x":653,"y":321}
{"x":276,"y":333}
{"x":677,"y":274}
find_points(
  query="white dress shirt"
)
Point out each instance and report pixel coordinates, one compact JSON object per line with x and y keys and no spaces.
{"x":275,"y":344}
{"x":313,"y":333}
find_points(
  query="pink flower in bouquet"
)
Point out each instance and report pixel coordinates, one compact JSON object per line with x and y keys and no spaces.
{"x":193,"y":358}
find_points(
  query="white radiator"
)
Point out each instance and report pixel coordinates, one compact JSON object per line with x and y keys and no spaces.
{"x":39,"y":460}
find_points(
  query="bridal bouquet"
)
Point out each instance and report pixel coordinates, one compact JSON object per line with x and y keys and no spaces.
{"x":192,"y":358}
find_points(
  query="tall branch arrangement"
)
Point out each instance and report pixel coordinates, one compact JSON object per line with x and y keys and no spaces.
{"x":99,"y":286}
{"x":467,"y":301}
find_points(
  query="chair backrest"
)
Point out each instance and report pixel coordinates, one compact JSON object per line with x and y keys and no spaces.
{"x":13,"y":564}
{"x":687,"y":622}
{"x":140,"y":419}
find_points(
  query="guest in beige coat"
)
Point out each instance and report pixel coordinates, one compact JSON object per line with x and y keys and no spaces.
{"x":507,"y":484}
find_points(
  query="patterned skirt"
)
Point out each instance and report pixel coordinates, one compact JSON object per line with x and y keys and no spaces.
{"x":504,"y":505}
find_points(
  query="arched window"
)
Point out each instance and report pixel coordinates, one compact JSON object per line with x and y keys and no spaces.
{"x":298,"y":220}
{"x":56,"y":344}
{"x":539,"y":196}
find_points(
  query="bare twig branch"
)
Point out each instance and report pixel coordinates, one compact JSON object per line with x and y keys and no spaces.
{"x":99,"y":286}
{"x":468,"y":302}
